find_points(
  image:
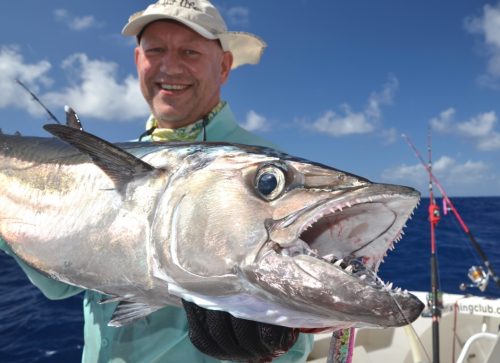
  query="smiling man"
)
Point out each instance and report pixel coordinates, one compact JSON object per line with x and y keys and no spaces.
{"x":180,"y":73}
{"x":184,"y":55}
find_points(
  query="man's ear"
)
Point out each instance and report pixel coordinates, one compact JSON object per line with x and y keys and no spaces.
{"x":227,"y":62}
{"x":136,"y":54}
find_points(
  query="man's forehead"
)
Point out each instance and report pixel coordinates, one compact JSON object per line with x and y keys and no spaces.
{"x":165,"y":27}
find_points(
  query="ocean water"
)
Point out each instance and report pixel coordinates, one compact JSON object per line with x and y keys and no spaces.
{"x":34,"y":329}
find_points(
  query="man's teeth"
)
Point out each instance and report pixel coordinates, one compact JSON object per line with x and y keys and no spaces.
{"x":173,"y":87}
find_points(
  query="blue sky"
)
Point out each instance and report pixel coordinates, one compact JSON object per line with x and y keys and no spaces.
{"x":339,"y":82}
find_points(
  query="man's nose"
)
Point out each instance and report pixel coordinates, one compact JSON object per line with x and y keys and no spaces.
{"x":171,"y":63}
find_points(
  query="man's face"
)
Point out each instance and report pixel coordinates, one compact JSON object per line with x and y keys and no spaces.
{"x":180,"y":72}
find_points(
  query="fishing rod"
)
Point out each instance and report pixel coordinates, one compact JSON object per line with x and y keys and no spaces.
{"x":434,"y":217}
{"x":52,"y":116}
{"x":464,"y":227}
{"x":72,"y":118}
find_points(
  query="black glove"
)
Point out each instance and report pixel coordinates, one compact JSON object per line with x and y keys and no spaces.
{"x":222,"y":336}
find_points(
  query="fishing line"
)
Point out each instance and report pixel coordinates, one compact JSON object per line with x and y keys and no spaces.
{"x":469,"y":246}
{"x":412,"y":328}
{"x":376,"y":278}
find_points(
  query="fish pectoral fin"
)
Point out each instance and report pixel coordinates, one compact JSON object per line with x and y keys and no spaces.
{"x":128,"y":312}
{"x":118,"y":164}
{"x":112,"y":299}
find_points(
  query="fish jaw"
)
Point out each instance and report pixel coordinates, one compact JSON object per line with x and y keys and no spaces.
{"x":322,"y":260}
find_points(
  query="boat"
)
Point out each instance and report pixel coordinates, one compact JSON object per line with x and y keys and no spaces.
{"x":454,"y":328}
{"x":468,"y":333}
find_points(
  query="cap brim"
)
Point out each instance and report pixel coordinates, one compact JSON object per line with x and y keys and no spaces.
{"x":245,"y":47}
{"x":134,"y":27}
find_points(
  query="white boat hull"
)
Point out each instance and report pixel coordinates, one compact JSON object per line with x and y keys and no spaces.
{"x":462,"y":318}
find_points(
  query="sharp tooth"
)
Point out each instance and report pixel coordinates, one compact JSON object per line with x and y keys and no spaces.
{"x":362,"y":277}
{"x":389,"y":286}
{"x":338,"y":263}
{"x":348,"y":204}
{"x":339,"y":208}
{"x":349,"y":269}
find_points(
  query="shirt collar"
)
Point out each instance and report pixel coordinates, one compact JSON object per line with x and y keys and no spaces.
{"x":186,"y":133}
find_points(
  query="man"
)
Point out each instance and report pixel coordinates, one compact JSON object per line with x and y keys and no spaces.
{"x":184,"y":55}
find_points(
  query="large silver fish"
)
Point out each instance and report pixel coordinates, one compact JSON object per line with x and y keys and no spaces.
{"x":249,"y":230}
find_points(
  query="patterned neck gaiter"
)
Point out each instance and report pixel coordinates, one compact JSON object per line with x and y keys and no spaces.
{"x":187,"y":133}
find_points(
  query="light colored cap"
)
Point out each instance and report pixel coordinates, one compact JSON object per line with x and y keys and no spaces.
{"x":202,"y":17}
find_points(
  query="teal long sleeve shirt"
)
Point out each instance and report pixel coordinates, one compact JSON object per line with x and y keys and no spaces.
{"x":161,"y":337}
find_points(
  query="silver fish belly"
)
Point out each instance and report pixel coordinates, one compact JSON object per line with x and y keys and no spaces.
{"x":248,"y":230}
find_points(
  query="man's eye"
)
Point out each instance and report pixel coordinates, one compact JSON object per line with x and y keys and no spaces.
{"x":190,"y":52}
{"x":154,"y":50}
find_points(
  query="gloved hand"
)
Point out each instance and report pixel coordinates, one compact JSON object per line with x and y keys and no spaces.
{"x":222,"y":336}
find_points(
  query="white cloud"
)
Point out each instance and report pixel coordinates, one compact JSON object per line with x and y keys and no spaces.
{"x":255,"y":122}
{"x":77,"y":23}
{"x":405,"y":172}
{"x":360,"y":122}
{"x":488,"y":26}
{"x":447,"y":170}
{"x":96,"y":90}
{"x":237,"y":15}
{"x":384,"y":97}
{"x":341,"y":125}
{"x":444,"y":120}
{"x":490,"y":143}
{"x":34,"y":75}
{"x":390,"y":136}
{"x":480,"y":128}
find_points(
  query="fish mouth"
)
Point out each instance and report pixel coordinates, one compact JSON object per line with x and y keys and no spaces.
{"x":359,"y":226}
{"x":340,"y":242}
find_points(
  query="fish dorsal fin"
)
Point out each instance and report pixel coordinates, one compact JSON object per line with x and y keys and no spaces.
{"x":119,"y":165}
{"x":72,"y":119}
{"x":127,"y":312}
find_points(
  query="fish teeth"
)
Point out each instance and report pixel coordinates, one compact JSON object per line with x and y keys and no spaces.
{"x":349,"y":269}
{"x":338,"y":263}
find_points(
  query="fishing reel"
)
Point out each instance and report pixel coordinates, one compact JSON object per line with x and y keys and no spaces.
{"x":478,"y":277}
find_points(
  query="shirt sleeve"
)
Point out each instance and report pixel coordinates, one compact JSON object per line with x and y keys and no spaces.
{"x":300,"y":350}
{"x":52,"y":289}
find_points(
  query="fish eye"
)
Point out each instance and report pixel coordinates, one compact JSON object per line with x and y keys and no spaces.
{"x":270,"y":182}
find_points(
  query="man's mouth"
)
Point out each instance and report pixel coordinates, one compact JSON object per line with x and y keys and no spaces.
{"x":173,"y":87}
